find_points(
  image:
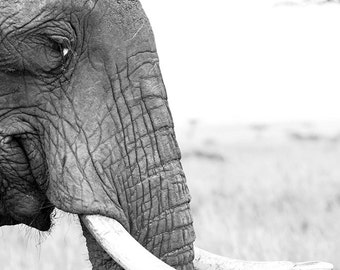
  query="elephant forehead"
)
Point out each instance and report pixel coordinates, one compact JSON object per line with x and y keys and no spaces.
{"x":16,"y":13}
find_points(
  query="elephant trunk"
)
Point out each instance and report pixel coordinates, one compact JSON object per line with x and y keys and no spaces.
{"x":128,"y":167}
{"x":123,"y":161}
{"x":148,"y":181}
{"x":159,"y":219}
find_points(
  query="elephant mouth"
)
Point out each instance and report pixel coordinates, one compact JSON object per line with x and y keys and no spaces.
{"x":23,"y":178}
{"x":42,"y":221}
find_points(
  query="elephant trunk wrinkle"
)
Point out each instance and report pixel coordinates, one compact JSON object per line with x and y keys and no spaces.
{"x":157,"y":209}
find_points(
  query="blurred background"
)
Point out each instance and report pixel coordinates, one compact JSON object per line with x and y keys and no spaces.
{"x":253,"y":88}
{"x":246,"y":61}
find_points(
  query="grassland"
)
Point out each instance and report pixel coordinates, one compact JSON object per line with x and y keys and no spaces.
{"x":258,"y":193}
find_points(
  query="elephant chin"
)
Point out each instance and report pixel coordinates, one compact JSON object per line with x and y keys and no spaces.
{"x":7,"y":220}
{"x":42,"y":221}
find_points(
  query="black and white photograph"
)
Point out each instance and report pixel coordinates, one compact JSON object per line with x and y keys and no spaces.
{"x":159,"y":135}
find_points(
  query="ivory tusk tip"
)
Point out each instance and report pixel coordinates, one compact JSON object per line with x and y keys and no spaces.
{"x":313,"y":266}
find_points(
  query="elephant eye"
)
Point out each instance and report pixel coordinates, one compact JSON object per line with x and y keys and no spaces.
{"x":42,"y":55}
{"x":65,"y":51}
{"x":61,"y":51}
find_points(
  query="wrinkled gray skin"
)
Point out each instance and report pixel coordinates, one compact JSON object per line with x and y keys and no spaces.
{"x":86,"y":125}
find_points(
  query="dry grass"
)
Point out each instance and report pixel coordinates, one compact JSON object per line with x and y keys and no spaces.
{"x":254,"y":197}
{"x":64,"y":248}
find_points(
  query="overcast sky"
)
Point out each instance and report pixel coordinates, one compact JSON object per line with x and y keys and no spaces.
{"x":246,"y":61}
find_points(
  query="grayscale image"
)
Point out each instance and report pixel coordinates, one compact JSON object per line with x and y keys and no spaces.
{"x":153,"y":134}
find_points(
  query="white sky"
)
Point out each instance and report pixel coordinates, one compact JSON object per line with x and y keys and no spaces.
{"x":246,"y":61}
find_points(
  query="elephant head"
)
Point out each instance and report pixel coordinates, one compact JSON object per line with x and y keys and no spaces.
{"x":85,"y":125}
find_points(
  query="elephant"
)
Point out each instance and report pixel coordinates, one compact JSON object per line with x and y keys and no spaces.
{"x":85,"y":127}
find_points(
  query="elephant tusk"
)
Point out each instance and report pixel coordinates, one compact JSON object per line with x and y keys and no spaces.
{"x":129,"y":254}
{"x":120,"y":245}
{"x":207,"y":261}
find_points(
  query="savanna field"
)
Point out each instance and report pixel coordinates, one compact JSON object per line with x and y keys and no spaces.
{"x":258,"y":193}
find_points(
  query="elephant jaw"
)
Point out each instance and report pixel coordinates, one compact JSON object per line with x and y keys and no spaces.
{"x":129,"y":254}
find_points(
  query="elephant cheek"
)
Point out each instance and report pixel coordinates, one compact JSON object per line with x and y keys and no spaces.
{"x":77,"y":185}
